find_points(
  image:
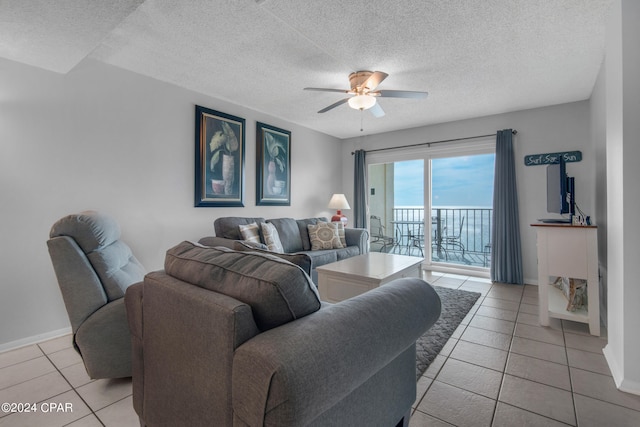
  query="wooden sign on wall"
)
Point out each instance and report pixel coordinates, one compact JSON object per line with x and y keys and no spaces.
{"x":550,"y":158}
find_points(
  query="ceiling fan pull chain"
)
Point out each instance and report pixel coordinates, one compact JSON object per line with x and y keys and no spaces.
{"x":361,"y":118}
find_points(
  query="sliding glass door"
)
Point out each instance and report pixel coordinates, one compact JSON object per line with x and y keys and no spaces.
{"x":462,"y":209}
{"x":434,"y":203}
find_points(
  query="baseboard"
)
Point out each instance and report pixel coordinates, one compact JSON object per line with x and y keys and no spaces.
{"x":625,"y":385}
{"x":23,"y":342}
{"x":629,"y":386}
{"x":613,"y":366}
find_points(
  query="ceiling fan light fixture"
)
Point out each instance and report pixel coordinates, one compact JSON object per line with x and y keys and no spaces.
{"x":362,"y":102}
{"x":363,"y":93}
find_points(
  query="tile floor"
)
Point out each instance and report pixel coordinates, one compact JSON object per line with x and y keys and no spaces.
{"x":52,"y":376}
{"x":500,"y":368}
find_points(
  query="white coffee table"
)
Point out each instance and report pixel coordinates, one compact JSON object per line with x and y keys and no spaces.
{"x":356,"y":275}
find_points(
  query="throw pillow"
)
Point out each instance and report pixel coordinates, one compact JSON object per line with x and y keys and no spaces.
{"x":343,"y":239}
{"x":271,"y":237}
{"x":250,"y":232}
{"x":324,"y":235}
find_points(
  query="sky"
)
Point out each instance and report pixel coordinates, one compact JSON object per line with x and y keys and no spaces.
{"x":456,"y":181}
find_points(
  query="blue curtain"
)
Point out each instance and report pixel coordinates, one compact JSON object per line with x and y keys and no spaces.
{"x":360,"y":190}
{"x":506,"y":254}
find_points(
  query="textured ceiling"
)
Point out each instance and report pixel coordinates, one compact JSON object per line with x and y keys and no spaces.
{"x":475,"y":58}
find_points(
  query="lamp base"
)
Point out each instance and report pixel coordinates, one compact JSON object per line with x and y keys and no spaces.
{"x":338,"y":217}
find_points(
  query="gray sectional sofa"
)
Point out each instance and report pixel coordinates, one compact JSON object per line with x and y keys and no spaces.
{"x":228,"y":338}
{"x":294,"y":236}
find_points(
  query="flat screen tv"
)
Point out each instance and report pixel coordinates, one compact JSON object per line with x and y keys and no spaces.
{"x":560,"y":189}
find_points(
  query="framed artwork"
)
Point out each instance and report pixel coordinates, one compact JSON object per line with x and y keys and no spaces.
{"x":273,"y":161}
{"x":219,"y":170}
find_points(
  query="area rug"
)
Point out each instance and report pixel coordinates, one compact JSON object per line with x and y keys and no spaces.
{"x":456,"y":304}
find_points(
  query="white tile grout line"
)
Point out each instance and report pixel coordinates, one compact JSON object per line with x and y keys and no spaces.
{"x":71,"y":385}
{"x":481,"y":299}
{"x":573,"y":393}
{"x":503,"y":372}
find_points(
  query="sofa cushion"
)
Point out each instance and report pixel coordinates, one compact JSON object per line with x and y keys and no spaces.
{"x":90,"y":229}
{"x":302,"y":260}
{"x":322,"y":257}
{"x":289,"y":234}
{"x":250,"y":232}
{"x":324,"y":235}
{"x":277,"y":290}
{"x":271,"y":237}
{"x":227,"y":227}
{"x":98,"y":235}
{"x":304,"y":231}
{"x":347,"y":252}
{"x":117,"y":268}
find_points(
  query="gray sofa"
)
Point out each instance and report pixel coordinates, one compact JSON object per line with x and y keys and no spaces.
{"x":228,"y":338}
{"x":294,"y":236}
{"x":94,"y":268}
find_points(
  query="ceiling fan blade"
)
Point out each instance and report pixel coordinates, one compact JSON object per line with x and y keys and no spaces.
{"x":374,"y":80}
{"x":377,"y":110}
{"x":402,"y":94}
{"x":322,"y":89}
{"x":334,"y":105}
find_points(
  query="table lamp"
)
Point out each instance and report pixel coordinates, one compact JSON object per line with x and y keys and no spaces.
{"x":339,"y":202}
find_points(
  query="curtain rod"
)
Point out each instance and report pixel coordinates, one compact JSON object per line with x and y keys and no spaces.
{"x":435,"y":142}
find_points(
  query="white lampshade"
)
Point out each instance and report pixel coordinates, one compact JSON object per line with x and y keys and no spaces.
{"x":339,"y":202}
{"x":362,"y":102}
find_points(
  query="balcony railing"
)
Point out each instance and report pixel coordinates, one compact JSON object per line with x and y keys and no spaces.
{"x":458,"y":235}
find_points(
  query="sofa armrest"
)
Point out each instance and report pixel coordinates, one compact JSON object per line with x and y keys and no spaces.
{"x":357,"y":237}
{"x":292,"y":374}
{"x":133,"y":303}
{"x":189,"y":335}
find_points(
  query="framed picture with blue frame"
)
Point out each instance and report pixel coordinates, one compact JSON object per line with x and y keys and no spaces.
{"x":219,"y":159}
{"x":273,"y":165}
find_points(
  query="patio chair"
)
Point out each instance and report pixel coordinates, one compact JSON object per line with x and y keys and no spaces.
{"x":454,"y":240}
{"x":378,"y":233}
{"x":416,"y":240}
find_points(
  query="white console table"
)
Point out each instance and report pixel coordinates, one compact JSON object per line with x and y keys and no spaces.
{"x":568,"y":251}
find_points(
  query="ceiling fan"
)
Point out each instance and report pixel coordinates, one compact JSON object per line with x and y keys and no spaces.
{"x":363,"y":94}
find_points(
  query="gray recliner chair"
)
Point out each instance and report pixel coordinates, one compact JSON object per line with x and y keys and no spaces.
{"x":94,"y":268}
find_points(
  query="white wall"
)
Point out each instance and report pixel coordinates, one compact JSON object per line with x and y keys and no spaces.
{"x":107,"y":139}
{"x":543,"y":130}
{"x":623,"y":193}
